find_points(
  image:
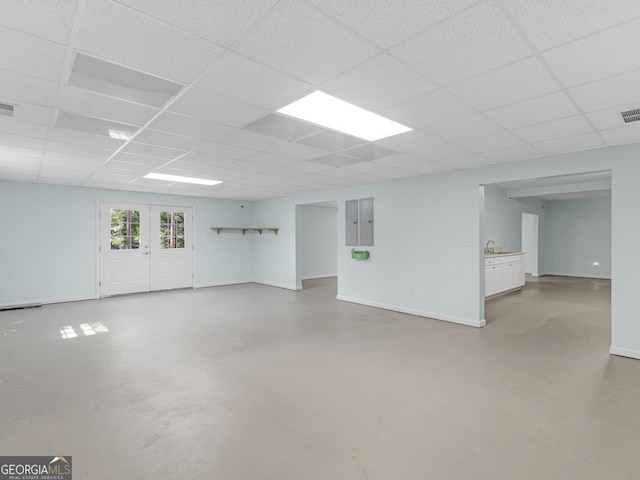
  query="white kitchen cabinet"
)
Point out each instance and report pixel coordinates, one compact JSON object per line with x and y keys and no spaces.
{"x":503,"y":273}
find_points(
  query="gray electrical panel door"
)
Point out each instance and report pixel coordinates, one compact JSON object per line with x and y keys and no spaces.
{"x":351,"y":222}
{"x":366,"y":221}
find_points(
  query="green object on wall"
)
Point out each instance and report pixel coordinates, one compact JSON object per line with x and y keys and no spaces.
{"x":359,"y":254}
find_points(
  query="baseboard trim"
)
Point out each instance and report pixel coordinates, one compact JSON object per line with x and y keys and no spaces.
{"x":419,"y":313}
{"x":556,"y":274}
{"x":278,"y":285}
{"x":48,"y":301}
{"x":315,"y":277}
{"x":624,"y":352}
{"x":222,"y":284}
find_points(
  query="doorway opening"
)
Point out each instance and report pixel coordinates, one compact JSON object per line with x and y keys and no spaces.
{"x":144,"y":248}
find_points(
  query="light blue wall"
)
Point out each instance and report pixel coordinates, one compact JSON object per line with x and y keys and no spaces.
{"x":317,"y":241}
{"x":48,"y":240}
{"x":577,"y":234}
{"x":503,"y":217}
{"x":428,"y":235}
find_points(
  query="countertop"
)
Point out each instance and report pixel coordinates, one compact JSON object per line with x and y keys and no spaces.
{"x":502,"y":254}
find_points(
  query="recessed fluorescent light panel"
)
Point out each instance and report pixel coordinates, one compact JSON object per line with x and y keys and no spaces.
{"x":331,"y":112}
{"x":177,"y":178}
{"x":120,"y":135}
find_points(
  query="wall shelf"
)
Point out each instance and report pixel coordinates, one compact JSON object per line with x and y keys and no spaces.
{"x":247,"y":229}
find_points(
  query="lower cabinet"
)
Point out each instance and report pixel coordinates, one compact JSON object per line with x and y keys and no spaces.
{"x":503,"y":273}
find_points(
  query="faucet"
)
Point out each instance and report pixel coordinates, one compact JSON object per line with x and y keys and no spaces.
{"x":488,"y":250}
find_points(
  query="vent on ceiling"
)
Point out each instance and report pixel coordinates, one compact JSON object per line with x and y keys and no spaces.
{"x":631,"y":115}
{"x":6,"y":110}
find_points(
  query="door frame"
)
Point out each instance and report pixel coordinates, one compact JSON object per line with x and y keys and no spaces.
{"x":99,"y":202}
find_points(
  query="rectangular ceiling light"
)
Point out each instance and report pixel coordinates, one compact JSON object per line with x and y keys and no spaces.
{"x":177,"y":178}
{"x":336,"y":114}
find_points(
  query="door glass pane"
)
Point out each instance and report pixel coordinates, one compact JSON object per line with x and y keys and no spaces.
{"x":125,"y":229}
{"x":171,"y":229}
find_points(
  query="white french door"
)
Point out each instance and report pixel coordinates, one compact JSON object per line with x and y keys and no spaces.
{"x":144,"y":248}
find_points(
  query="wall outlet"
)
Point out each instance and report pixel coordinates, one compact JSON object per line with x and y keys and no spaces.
{"x":411,"y":292}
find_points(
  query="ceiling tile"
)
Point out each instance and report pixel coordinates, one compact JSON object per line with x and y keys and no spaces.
{"x":549,"y":23}
{"x":188,"y":126}
{"x":565,"y":127}
{"x":597,"y":56}
{"x":169,"y":140}
{"x":570,"y":144}
{"x":468,"y":161}
{"x":226,"y":151}
{"x":247,"y":139}
{"x":273,"y":160}
{"x":610,"y":92}
{"x":145,"y":160}
{"x":92,"y":125}
{"x":537,"y":110}
{"x":387,"y":22}
{"x":377,"y":83}
{"x":241,"y":78}
{"x":28,"y":112}
{"x":221,"y":22}
{"x":474,"y":42}
{"x":295,"y":150}
{"x":287,"y":38}
{"x":429,"y":109}
{"x":400,"y":160}
{"x":617,"y":136}
{"x":490,"y":142}
{"x":11,"y":152}
{"x":89,"y":152}
{"x":152,"y":150}
{"x":214,"y":107}
{"x":441,"y":152}
{"x":511,"y":84}
{"x":16,"y":87}
{"x":606,"y":119}
{"x":331,"y":141}
{"x":11,"y":125}
{"x":250,"y":166}
{"x":81,"y":138}
{"x":412,"y":141}
{"x":513,"y":154}
{"x":21,"y":141}
{"x":464,"y":128}
{"x":83,"y":102}
{"x":428,"y":168}
{"x":137,"y":41}
{"x":31,"y":55}
{"x":52,"y":19}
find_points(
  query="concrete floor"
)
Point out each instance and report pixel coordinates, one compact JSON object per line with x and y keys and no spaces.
{"x":254,"y":382}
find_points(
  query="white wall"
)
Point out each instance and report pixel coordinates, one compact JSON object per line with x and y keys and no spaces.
{"x":317,"y":241}
{"x":503,"y":217}
{"x":531,"y":242}
{"x":428,"y":236}
{"x":48,"y":240}
{"x":577,"y":235}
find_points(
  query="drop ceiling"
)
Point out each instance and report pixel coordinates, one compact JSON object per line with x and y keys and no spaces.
{"x":193,"y":88}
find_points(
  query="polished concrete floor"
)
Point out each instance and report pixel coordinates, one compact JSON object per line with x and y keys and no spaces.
{"x":254,"y":382}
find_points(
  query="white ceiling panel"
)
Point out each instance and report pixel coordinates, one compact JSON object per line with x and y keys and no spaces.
{"x":21,"y":141}
{"x":16,"y":87}
{"x":608,"y":53}
{"x":537,"y":110}
{"x":400,"y":160}
{"x":378,"y":83}
{"x":287,"y":37}
{"x":427,"y":168}
{"x":514,"y":83}
{"x":247,"y":139}
{"x":609,"y":92}
{"x":549,"y":23}
{"x":147,"y":161}
{"x":227,"y":151}
{"x":51,"y":20}
{"x":464,"y":128}
{"x":83,"y":102}
{"x":413,"y":141}
{"x":606,"y":119}
{"x":16,"y":127}
{"x":241,"y":78}
{"x":494,"y":141}
{"x":217,"y":108}
{"x":188,"y":126}
{"x":442,"y":152}
{"x":32,"y":114}
{"x":570,"y":144}
{"x":168,"y":140}
{"x":295,"y":150}
{"x":206,"y":161}
{"x":152,"y":150}
{"x":137,"y":41}
{"x":82,"y":138}
{"x":474,"y":42}
{"x":272,"y":159}
{"x":565,"y":127}
{"x":468,"y":161}
{"x":387,"y":22}
{"x":89,"y":152}
{"x":429,"y":109}
{"x":10,"y":151}
{"x":513,"y":154}
{"x":618,"y":136}
{"x":31,"y":55}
